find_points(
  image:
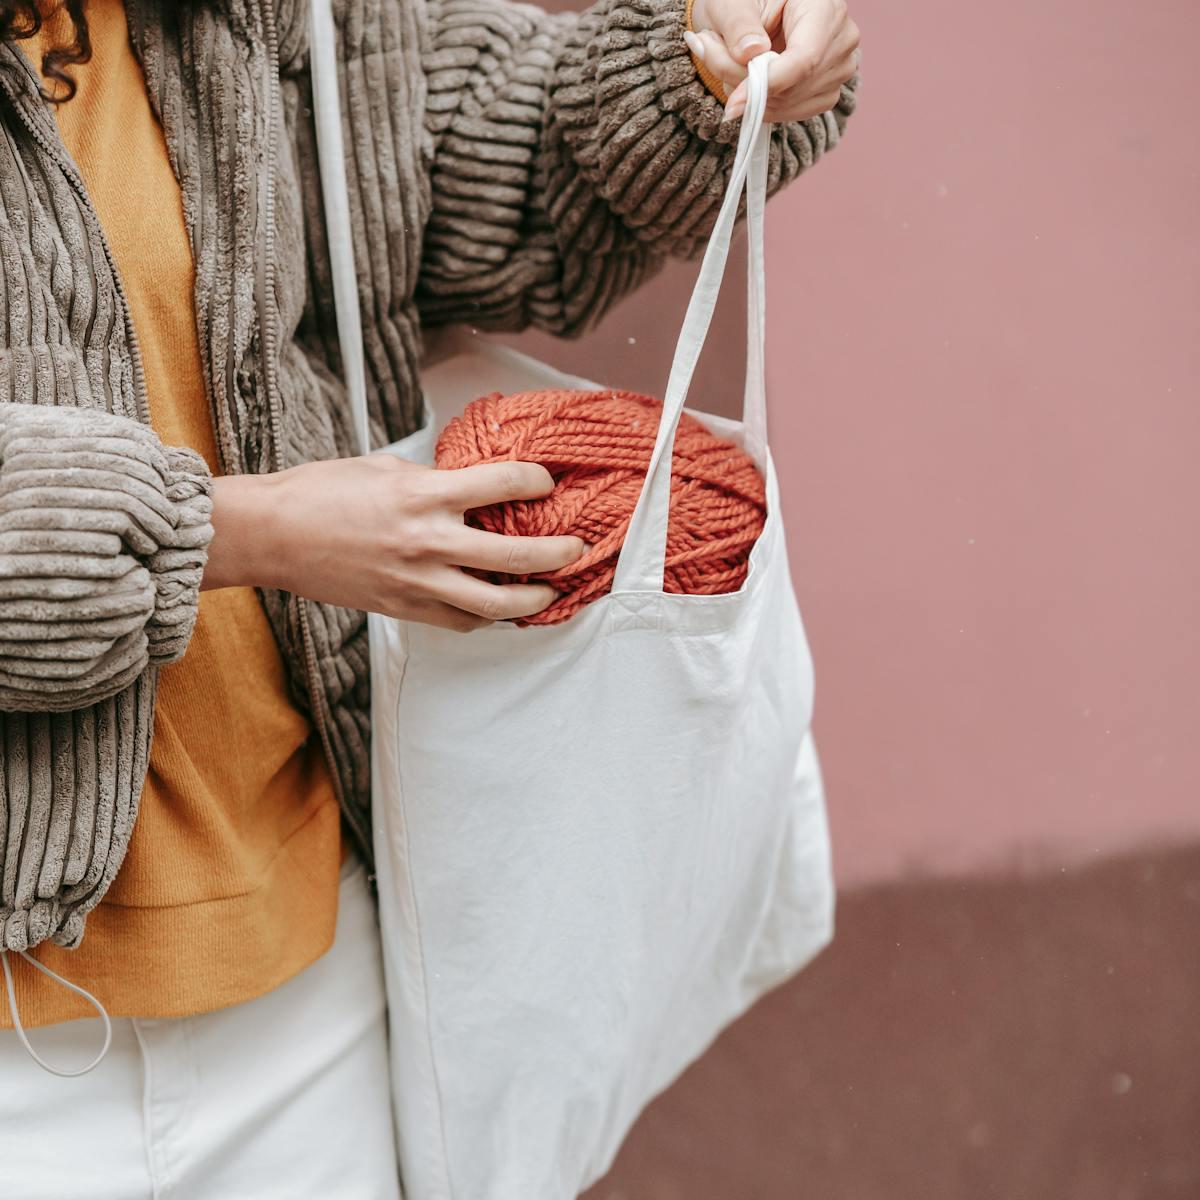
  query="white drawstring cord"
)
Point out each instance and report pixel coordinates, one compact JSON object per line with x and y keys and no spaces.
{"x":20,"y":1029}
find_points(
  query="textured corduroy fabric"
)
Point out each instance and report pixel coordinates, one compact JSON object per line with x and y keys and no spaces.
{"x":507,"y":168}
{"x":230,"y":883}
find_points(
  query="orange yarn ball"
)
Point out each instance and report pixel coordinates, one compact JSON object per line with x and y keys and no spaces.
{"x":597,"y":446}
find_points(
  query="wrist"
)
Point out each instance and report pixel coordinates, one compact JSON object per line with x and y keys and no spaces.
{"x":245,"y":548}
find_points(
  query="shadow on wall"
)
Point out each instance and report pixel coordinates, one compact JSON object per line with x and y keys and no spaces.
{"x":633,"y":347}
{"x":1010,"y":1038}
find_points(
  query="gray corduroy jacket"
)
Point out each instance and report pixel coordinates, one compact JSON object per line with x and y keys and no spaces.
{"x":507,"y":168}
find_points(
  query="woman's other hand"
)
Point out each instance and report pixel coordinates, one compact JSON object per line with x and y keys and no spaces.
{"x":384,"y":535}
{"x":817,"y":43}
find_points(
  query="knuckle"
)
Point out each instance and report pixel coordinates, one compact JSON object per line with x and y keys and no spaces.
{"x":415,"y":540}
{"x":808,"y":65}
{"x":512,"y":477}
{"x":419,"y":489}
{"x":491,"y":608}
{"x":517,"y":559}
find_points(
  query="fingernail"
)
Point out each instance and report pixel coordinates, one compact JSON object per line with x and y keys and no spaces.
{"x":694,"y":44}
{"x":733,"y":109}
{"x":753,"y":40}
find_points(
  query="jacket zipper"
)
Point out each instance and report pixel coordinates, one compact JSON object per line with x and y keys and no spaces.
{"x":53,"y":148}
{"x":269,"y":344}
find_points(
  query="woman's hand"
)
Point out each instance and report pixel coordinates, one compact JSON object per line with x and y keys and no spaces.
{"x":384,"y":535}
{"x":816,"y":40}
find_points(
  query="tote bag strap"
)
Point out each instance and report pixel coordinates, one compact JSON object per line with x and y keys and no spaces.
{"x":331,"y":158}
{"x":643,"y":556}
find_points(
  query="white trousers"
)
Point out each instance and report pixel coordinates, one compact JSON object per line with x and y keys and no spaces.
{"x":282,"y":1098}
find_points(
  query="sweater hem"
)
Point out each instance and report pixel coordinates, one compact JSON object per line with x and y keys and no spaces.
{"x":200,"y":957}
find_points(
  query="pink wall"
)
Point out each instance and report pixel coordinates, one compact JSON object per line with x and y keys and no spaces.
{"x":984,"y":311}
{"x":986,"y":410}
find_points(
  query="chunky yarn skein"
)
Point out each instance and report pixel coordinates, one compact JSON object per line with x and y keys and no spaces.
{"x":597,"y":446}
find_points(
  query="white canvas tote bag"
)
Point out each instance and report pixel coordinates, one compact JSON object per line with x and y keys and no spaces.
{"x":598,"y":842}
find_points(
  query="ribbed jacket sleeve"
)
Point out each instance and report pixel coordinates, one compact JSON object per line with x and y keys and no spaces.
{"x":103,"y":539}
{"x":572,"y":153}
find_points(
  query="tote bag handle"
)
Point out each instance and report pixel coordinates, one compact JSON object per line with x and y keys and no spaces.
{"x":643,"y":556}
{"x":331,"y":158}
{"x":641,"y":562}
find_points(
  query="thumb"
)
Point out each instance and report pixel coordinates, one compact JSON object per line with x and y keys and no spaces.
{"x":739,"y":22}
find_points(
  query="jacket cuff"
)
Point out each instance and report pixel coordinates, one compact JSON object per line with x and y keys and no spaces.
{"x":177,"y":566}
{"x":103,"y":539}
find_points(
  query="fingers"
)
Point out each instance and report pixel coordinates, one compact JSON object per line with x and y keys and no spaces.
{"x":820,"y":53}
{"x":817,"y":52}
{"x":494,"y":602}
{"x":708,"y":47}
{"x":792,"y":110}
{"x":735,"y":103}
{"x":771,"y":13}
{"x":512,"y":555}
{"x":739,"y":24}
{"x":430,"y":562}
{"x":494,"y":483}
{"x":444,"y":616}
{"x":799,"y":89}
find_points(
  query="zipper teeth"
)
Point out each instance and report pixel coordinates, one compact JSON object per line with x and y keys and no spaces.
{"x":268,"y":318}
{"x":73,"y":177}
{"x":268,"y":321}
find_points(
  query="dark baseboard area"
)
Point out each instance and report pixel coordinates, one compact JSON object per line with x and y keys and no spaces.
{"x":1025,"y":1038}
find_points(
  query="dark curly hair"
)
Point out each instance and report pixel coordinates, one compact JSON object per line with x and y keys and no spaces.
{"x":24,"y":18}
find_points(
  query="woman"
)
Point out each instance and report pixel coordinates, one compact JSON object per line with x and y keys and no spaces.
{"x":186,"y":553}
